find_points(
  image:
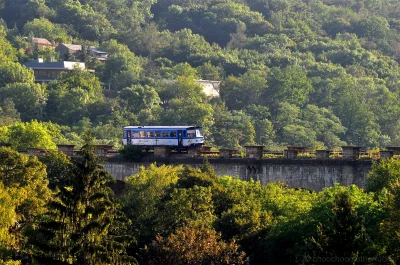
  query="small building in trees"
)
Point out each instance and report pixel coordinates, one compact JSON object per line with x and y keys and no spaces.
{"x":71,"y":49}
{"x":99,"y":55}
{"x":76,"y":51}
{"x":50,"y":71}
{"x":210,"y":87}
{"x":42,"y":43}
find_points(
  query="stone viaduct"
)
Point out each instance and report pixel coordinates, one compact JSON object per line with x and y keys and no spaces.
{"x":314,"y":173}
{"x":308,"y":173}
{"x":311,"y":174}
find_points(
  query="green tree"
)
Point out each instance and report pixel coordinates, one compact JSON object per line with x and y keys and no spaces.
{"x":288,"y":85}
{"x":188,"y":111}
{"x":239,"y":93}
{"x":344,"y":235}
{"x":389,"y":227}
{"x":84,"y":224}
{"x":232,"y":129}
{"x":178,"y":248}
{"x":8,"y":113}
{"x":32,"y":134}
{"x":28,"y":98}
{"x":7,"y":51}
{"x":327,"y":127}
{"x":208,"y":71}
{"x":145,"y":192}
{"x":298,"y":135}
{"x":137,"y":98}
{"x":186,"y":205}
{"x":58,"y":168}
{"x":7,"y":220}
{"x":123,"y":68}
{"x":35,"y":52}
{"x":384,"y":174}
{"x":238,"y":39}
{"x":43,"y":28}
{"x":24,"y":179}
{"x":263,"y":127}
{"x":11,"y":72}
{"x":85,"y":80}
{"x":68,"y":56}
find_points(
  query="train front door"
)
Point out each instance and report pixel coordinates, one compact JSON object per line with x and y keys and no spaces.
{"x":180,"y":140}
{"x":128,"y":138}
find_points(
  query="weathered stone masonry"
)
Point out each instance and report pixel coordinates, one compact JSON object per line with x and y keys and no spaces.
{"x":309,"y":174}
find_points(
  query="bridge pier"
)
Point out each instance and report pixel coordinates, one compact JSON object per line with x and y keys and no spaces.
{"x":162,"y":151}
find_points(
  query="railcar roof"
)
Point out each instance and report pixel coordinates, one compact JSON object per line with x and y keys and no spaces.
{"x":161,"y":127}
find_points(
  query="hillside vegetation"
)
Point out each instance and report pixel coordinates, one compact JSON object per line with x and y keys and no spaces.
{"x":319,"y":73}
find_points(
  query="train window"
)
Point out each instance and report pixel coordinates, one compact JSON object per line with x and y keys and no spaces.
{"x":165,"y":134}
{"x":124,"y":135}
{"x":199,"y":133}
{"x":129,"y":134}
{"x":158,"y":134}
{"x":150,"y":134}
{"x":191,"y":133}
{"x":135,"y":134}
{"x":184,"y":134}
{"x":172,"y":134}
{"x":142,"y":134}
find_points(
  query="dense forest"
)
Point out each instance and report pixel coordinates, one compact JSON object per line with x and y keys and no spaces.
{"x":317,"y":73}
{"x":57,"y":210}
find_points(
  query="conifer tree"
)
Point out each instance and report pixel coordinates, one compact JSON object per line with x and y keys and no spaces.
{"x":206,"y":167}
{"x":84,"y":224}
{"x":67,"y":56}
{"x":343,"y":237}
{"x":36,"y":51}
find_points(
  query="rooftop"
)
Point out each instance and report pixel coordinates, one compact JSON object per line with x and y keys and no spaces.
{"x":73,"y":47}
{"x":41,"y":41}
{"x":65,"y":65}
{"x":95,"y":50}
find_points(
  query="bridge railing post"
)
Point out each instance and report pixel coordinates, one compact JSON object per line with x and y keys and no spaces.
{"x":254,"y":151}
{"x":226,"y":153}
{"x":67,"y":149}
{"x":290,"y":154}
{"x":351,"y":152}
{"x":322,"y":154}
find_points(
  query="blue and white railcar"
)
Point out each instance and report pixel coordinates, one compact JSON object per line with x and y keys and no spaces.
{"x":177,"y":137}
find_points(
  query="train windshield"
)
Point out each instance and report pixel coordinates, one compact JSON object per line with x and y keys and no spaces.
{"x":199,"y":133}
